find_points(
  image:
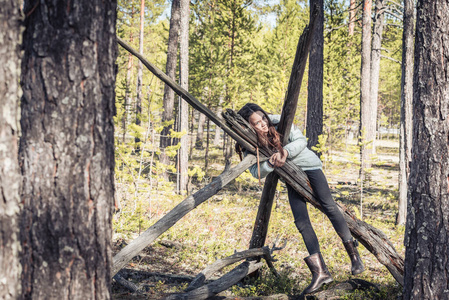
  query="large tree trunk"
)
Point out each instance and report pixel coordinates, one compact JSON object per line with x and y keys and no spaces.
{"x":139,"y":94}
{"x":67,"y":149}
{"x":405,"y":143}
{"x":365,"y":130}
{"x":184,"y":107}
{"x":427,"y":229}
{"x":314,"y":126}
{"x":169,"y":95}
{"x":375,"y":71}
{"x":10,"y":269}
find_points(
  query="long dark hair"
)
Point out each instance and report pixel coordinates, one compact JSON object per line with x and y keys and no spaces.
{"x":273,"y":138}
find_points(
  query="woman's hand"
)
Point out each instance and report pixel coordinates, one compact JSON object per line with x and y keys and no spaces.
{"x":278,"y":159}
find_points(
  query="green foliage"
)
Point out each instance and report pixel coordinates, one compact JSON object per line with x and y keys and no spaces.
{"x":198,"y":172}
{"x":341,"y":102}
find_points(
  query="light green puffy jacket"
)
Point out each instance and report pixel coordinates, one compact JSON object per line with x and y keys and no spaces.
{"x":298,"y":153}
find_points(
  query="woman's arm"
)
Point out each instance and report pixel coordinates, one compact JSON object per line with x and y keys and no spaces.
{"x":297,"y":142}
{"x":265,"y":169}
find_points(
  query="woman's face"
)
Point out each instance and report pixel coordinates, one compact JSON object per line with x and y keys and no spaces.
{"x":259,"y":122}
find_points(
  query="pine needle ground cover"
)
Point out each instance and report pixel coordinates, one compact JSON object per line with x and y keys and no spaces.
{"x":224,"y":224}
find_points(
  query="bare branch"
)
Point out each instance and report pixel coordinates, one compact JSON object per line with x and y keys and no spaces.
{"x":390,"y":58}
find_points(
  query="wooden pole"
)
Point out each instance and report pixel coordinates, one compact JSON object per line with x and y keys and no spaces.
{"x":288,"y":113}
{"x":186,"y":96}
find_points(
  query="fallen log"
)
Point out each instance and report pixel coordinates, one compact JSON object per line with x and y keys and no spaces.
{"x":187,"y":205}
{"x":219,"y":285}
{"x":221,"y":263}
{"x":373,"y":239}
{"x":342,"y":289}
{"x":128,"y":284}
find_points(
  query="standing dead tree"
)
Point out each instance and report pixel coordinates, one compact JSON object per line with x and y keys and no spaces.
{"x":373,"y":239}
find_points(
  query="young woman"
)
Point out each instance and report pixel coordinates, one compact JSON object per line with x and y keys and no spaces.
{"x":297,"y":152}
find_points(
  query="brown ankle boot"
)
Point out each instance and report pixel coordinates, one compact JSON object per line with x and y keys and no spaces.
{"x":320,"y":273}
{"x":356,"y":262}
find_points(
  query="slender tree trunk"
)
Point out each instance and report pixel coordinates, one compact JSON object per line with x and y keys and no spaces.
{"x":375,"y":71}
{"x":426,"y":237}
{"x":352,"y":16}
{"x":128,"y":94}
{"x":67,"y":149}
{"x":127,"y":102}
{"x":169,"y":95}
{"x":314,"y":126}
{"x":206,"y":153}
{"x":191,"y":135}
{"x":365,"y":84}
{"x":217,"y":136}
{"x":184,"y":107}
{"x":405,"y":143}
{"x":200,"y":134}
{"x":139,"y":94}
{"x":10,"y":268}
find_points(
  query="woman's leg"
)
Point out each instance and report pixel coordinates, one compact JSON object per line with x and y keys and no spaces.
{"x":321,"y":189}
{"x":302,"y":221}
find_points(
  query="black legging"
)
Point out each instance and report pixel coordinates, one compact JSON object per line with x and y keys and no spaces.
{"x":299,"y":208}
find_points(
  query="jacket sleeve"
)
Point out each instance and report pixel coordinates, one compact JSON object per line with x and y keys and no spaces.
{"x":297,"y":142}
{"x":265,"y":168}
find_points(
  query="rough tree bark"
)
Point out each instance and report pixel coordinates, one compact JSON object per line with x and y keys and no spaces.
{"x":375,"y":69}
{"x":169,"y":95}
{"x":314,"y":127}
{"x":67,"y":148}
{"x":183,"y":153}
{"x":405,"y":142}
{"x":365,"y":133}
{"x":427,"y":229}
{"x":10,"y":269}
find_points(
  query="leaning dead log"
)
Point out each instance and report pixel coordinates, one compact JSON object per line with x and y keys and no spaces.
{"x":187,"y":205}
{"x":288,"y":114}
{"x":189,"y":98}
{"x":373,"y":239}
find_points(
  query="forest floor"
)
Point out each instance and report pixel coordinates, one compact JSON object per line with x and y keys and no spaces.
{"x":224,"y":223}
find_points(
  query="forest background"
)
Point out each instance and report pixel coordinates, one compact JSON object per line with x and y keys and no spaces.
{"x":239,"y":52}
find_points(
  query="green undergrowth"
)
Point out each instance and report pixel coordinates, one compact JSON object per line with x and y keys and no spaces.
{"x":223,"y":225}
